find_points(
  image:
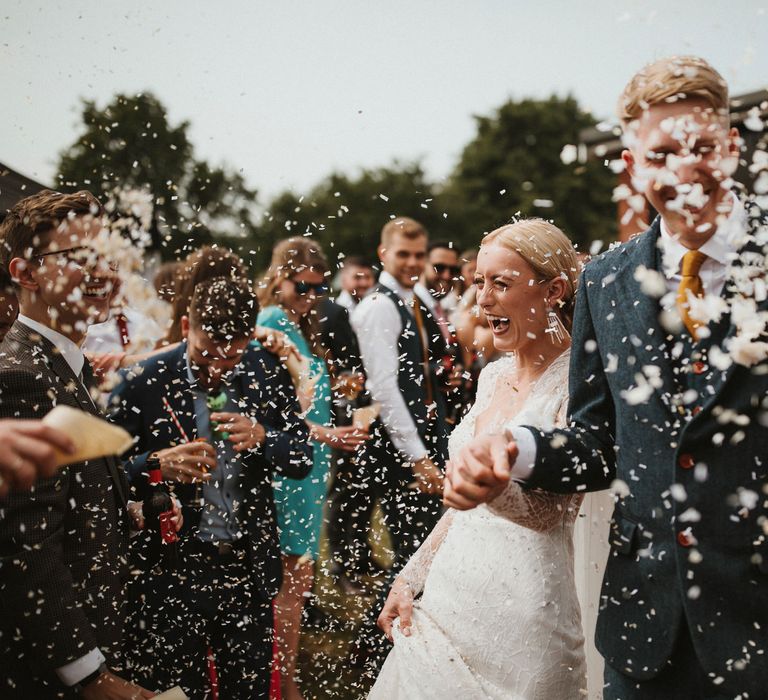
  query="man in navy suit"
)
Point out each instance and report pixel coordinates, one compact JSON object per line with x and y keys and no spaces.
{"x":668,"y":387}
{"x":221,"y":416}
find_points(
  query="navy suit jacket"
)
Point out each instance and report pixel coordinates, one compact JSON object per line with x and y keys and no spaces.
{"x":715,"y":447}
{"x":268,"y":397}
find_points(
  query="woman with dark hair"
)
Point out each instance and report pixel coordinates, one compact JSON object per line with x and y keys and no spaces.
{"x":288,"y":296}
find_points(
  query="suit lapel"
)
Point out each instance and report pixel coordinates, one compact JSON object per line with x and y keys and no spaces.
{"x":751,"y":257}
{"x":643,"y":310}
{"x":180,"y":399}
{"x":42,"y":348}
{"x":47,"y":353}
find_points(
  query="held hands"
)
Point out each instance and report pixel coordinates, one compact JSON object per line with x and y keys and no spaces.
{"x":399,"y":604}
{"x":27,"y":452}
{"x":108,"y":686}
{"x":479,"y":472}
{"x":429,"y":478}
{"x":244,"y":433}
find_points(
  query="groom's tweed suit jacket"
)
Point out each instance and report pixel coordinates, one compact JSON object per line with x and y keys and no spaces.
{"x":660,"y":573}
{"x":63,"y":546}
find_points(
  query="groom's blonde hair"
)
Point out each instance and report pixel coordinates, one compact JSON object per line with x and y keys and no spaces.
{"x":548,"y":251}
{"x":669,"y":80}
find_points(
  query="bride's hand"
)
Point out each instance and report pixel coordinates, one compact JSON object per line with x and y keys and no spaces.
{"x":399,"y":604}
{"x":479,"y":472}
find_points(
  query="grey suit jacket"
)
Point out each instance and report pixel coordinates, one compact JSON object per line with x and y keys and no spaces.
{"x":63,"y":546}
{"x":696,"y":554}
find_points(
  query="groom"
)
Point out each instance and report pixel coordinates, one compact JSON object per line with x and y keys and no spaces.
{"x":668,"y":385}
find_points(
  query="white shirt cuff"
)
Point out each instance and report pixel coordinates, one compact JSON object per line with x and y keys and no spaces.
{"x":526,"y":453}
{"x":76,"y":670}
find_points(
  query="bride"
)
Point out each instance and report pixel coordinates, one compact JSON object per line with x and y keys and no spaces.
{"x":499,"y":615}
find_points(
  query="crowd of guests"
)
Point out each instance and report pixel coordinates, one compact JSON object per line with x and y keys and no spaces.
{"x":269,"y":411}
{"x":262,"y":461}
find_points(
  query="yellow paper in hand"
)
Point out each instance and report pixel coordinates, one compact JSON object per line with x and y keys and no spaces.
{"x":174,"y":693}
{"x":93,"y":437}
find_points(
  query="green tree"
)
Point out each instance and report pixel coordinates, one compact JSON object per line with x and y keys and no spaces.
{"x":345,"y":214}
{"x":131,"y":144}
{"x":514,"y":165}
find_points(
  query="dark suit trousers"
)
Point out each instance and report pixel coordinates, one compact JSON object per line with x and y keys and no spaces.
{"x":209,"y":601}
{"x":351,"y":499}
{"x":682,"y":679}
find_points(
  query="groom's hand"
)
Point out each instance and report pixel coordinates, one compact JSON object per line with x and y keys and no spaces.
{"x":479,"y":472}
{"x":399,"y":604}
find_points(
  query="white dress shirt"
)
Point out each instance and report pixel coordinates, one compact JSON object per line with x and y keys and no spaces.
{"x":376,"y":322}
{"x":346,"y":300}
{"x":143,"y":333}
{"x":68,"y":349}
{"x":721,"y":249}
{"x":76,"y":670}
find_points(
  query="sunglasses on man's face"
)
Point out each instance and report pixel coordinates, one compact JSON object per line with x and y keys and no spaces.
{"x":303,"y":288}
{"x":442,"y":268}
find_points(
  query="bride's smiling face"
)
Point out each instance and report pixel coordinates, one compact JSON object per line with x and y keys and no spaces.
{"x":513,"y":298}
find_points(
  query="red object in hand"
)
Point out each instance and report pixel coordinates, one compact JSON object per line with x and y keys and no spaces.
{"x":168,"y":528}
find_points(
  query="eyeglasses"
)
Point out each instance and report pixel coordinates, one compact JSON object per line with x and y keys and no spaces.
{"x":442,"y":268}
{"x":303,"y":288}
{"x":82,"y":256}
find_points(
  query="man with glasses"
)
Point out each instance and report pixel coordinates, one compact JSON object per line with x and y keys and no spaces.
{"x":441,"y":274}
{"x":62,"y":546}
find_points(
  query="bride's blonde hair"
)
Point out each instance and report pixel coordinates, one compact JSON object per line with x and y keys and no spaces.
{"x":548,"y":251}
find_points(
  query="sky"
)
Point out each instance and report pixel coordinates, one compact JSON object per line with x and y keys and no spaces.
{"x":289,"y":91}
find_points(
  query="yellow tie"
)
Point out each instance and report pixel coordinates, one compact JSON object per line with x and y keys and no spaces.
{"x":690,"y":282}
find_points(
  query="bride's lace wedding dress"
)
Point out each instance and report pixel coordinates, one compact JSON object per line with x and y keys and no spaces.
{"x":498,"y":615}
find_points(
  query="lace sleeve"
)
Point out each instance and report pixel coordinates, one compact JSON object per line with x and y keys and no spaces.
{"x":535,"y":509}
{"x":415,"y":572}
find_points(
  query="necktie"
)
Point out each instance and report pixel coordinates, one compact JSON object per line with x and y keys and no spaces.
{"x":429,"y":399}
{"x":122,"y":329}
{"x":690,"y":282}
{"x":443,"y":323}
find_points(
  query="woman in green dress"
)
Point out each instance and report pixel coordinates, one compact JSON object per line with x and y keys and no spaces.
{"x":288,"y":294}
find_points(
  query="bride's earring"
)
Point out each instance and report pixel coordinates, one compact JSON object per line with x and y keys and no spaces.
{"x":557,"y":331}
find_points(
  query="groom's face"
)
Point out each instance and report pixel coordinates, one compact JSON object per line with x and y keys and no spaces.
{"x":681,"y":156}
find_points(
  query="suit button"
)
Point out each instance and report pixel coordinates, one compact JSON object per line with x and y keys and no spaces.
{"x":699,"y":367}
{"x":686,"y":461}
{"x":685,"y":538}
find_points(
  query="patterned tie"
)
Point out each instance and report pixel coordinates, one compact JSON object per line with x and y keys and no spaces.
{"x":122,"y":328}
{"x":690,"y":281}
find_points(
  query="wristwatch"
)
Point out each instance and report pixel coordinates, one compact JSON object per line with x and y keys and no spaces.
{"x":90,"y":678}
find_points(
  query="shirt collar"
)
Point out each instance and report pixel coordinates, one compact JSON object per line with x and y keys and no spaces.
{"x":68,"y":349}
{"x":388,"y":280}
{"x":721,"y":247}
{"x":192,"y":379}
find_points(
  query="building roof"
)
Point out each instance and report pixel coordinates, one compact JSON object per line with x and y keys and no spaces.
{"x":15,"y":186}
